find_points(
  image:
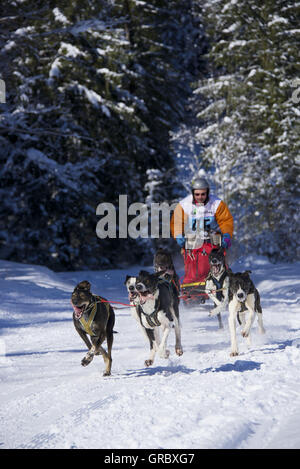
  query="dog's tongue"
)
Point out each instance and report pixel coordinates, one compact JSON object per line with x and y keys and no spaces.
{"x":145,"y":297}
{"x":77,"y":311}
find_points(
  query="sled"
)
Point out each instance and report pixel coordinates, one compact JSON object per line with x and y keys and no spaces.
{"x":196,"y":269}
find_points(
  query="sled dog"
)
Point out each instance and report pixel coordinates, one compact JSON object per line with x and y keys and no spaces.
{"x":217,"y":283}
{"x":151,"y":335}
{"x":94,"y":319}
{"x":156,"y":310}
{"x":243,"y":296}
{"x":163,"y":263}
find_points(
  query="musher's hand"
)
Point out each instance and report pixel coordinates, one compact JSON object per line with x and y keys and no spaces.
{"x":226,"y":241}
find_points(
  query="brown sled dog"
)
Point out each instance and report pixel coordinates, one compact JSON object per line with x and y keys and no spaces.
{"x":94,"y":319}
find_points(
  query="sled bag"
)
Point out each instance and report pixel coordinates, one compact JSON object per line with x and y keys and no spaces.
{"x":196,"y":265}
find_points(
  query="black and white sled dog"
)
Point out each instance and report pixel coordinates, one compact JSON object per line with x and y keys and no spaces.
{"x":217,"y":283}
{"x":153,"y":306}
{"x":243,"y":297}
{"x":151,"y":335}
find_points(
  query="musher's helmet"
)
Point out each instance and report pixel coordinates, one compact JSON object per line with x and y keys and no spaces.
{"x":200,"y":183}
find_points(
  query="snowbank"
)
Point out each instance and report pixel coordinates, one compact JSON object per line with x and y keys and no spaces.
{"x":204,"y":399}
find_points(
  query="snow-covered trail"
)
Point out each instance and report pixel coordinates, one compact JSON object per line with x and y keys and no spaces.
{"x":204,"y":399}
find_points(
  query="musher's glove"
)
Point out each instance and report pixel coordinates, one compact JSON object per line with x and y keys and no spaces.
{"x":226,"y":241}
{"x":180,"y":240}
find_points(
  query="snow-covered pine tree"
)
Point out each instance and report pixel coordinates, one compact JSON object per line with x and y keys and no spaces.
{"x":166,"y":46}
{"x":249,"y":124}
{"x":162,"y":57}
{"x":88,"y":112}
{"x":63,"y":131}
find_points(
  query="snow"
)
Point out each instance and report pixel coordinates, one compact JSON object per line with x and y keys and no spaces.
{"x":204,"y":399}
{"x":238,"y":43}
{"x":69,"y":50}
{"x":277,"y":20}
{"x":23,"y":31}
{"x":9,"y":45}
{"x":54,"y":69}
{"x":59,"y":16}
{"x":94,"y":98}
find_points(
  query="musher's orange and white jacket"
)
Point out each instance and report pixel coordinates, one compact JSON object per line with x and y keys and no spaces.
{"x":186,"y":212}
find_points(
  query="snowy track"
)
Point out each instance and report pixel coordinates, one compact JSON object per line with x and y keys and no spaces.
{"x":204,"y":399}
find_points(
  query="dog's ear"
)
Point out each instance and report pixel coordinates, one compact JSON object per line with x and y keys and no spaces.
{"x":84,"y":285}
{"x":144,"y":273}
{"x":247,"y":272}
{"x":127,"y":277}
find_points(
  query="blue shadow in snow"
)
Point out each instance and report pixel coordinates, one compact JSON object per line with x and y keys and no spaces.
{"x":239,"y":365}
{"x":44,"y":352}
{"x":164,"y":370}
{"x":15,"y":323}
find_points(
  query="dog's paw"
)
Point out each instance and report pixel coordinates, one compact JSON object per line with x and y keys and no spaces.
{"x":164,"y":353}
{"x":245,"y":333}
{"x":148,"y":362}
{"x":87,"y":360}
{"x":107,"y":373}
{"x":213,"y":312}
{"x":179,"y":351}
{"x":234,"y":354}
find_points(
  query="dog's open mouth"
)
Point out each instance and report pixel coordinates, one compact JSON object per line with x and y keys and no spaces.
{"x":215,"y":268}
{"x":78,"y":310}
{"x":144,"y":296}
{"x":132,"y":295}
{"x":164,"y":269}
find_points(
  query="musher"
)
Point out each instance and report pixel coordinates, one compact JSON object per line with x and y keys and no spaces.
{"x":195,"y":219}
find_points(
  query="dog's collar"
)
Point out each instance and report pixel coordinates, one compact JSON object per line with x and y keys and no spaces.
{"x":218,"y":283}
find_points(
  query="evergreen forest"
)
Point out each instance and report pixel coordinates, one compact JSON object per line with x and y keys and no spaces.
{"x":101,"y":98}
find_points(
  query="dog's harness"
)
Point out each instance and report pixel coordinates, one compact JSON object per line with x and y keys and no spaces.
{"x":152,"y":318}
{"x":218,"y":284}
{"x":88,"y":324}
